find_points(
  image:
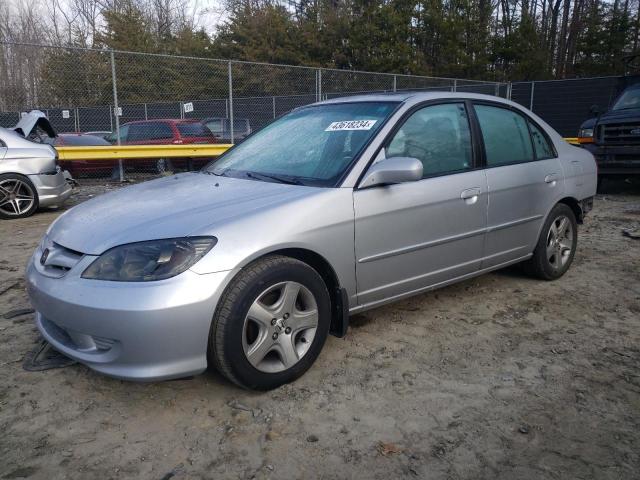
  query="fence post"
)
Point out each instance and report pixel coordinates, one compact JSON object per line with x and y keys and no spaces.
{"x":320,"y":83}
{"x":395,"y":83}
{"x":116,"y":110}
{"x":496,"y":90}
{"x":533,"y":84}
{"x":509,"y":87}
{"x":230,"y":102}
{"x":455,"y":85}
{"x":146,"y":117}
{"x":274,"y":107}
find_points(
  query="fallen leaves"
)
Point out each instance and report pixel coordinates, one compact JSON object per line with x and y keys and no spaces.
{"x":386,"y":449}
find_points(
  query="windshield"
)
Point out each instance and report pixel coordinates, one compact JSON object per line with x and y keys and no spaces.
{"x":628,"y":99}
{"x":311,"y":146}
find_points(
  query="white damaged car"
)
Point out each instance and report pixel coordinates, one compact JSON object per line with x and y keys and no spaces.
{"x":30,"y":176}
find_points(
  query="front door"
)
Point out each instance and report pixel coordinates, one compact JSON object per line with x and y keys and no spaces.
{"x":419,"y":234}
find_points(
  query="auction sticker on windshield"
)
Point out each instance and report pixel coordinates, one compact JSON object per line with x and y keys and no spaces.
{"x":350,"y":125}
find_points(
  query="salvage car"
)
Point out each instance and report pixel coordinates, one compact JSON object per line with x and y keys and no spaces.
{"x":30,"y":176}
{"x":83,"y":168}
{"x":331,"y":210}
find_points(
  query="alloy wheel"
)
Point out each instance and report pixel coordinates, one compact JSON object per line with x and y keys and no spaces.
{"x":279,"y":327}
{"x":560,"y":242}
{"x":16,"y":197}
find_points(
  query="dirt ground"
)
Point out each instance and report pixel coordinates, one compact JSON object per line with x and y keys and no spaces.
{"x":499,"y":377}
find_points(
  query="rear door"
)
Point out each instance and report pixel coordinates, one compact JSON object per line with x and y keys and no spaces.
{"x":414,"y":235}
{"x":524,"y":177}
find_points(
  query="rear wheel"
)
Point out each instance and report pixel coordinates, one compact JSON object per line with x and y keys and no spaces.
{"x":271,"y":323}
{"x":18,"y":196}
{"x":164,"y":166}
{"x":556,"y":246}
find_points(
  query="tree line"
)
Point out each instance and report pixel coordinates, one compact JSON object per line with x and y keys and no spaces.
{"x":501,"y":40}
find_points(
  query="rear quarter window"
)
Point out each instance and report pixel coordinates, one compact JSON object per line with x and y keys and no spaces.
{"x":544,"y":149}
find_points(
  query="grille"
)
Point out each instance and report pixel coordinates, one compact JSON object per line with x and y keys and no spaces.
{"x":58,"y":260}
{"x":620,"y":133}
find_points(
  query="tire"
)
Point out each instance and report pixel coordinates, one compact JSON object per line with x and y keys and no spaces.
{"x":18,"y":196}
{"x":275,"y":342}
{"x":556,"y":246}
{"x":164,"y":166}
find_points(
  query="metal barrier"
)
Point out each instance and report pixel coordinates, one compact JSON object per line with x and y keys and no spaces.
{"x":131,"y":152}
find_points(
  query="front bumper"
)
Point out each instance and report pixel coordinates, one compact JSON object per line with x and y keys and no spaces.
{"x":616,"y":160}
{"x":136,"y":331}
{"x":53,"y":189}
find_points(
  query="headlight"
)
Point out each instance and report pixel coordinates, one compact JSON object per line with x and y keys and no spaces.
{"x":148,"y":261}
{"x":585,"y":132}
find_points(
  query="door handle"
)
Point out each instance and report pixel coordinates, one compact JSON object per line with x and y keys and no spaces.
{"x":551,"y":178}
{"x":470,"y":195}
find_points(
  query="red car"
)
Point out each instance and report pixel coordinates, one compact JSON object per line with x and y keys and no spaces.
{"x":162,"y":132}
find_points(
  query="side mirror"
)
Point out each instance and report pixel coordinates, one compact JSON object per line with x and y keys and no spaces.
{"x":594,"y":110}
{"x":393,"y":170}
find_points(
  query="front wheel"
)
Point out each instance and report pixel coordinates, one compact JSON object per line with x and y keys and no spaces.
{"x":556,"y":246}
{"x":270,"y":324}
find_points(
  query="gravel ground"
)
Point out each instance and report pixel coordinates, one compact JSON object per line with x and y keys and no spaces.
{"x":500,"y":377}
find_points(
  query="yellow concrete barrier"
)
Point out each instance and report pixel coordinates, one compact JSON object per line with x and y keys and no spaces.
{"x":114,"y":152}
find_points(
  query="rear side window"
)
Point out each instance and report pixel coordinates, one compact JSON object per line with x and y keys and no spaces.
{"x":505,"y":134}
{"x":193,"y":130}
{"x":544,"y":150}
{"x":438,"y":136}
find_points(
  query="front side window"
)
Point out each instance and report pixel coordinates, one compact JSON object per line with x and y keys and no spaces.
{"x":505,"y":134}
{"x":314,"y":145}
{"x":544,"y":150}
{"x":438,"y":136}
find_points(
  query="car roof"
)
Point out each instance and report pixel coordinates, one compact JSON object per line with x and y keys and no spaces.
{"x":413,"y":95}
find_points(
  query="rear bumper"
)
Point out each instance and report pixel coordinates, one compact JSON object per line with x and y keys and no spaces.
{"x":52,"y":189}
{"x":136,"y":331}
{"x":616,"y":160}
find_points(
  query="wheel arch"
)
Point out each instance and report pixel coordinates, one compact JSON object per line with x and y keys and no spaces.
{"x":574,"y":205}
{"x":337,"y":293}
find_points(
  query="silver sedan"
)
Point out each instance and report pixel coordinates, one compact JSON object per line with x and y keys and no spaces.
{"x":29,"y":176}
{"x":333,"y":209}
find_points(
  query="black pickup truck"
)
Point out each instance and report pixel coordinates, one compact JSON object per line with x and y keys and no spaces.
{"x":613,"y":137}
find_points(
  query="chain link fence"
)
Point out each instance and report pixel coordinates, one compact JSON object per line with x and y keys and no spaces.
{"x":113,"y":97}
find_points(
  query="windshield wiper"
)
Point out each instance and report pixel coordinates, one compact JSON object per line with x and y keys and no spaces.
{"x":219,"y":173}
{"x":277,"y":178}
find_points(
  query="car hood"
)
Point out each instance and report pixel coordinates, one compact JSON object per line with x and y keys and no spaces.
{"x":616,"y":116}
{"x":177,"y":206}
